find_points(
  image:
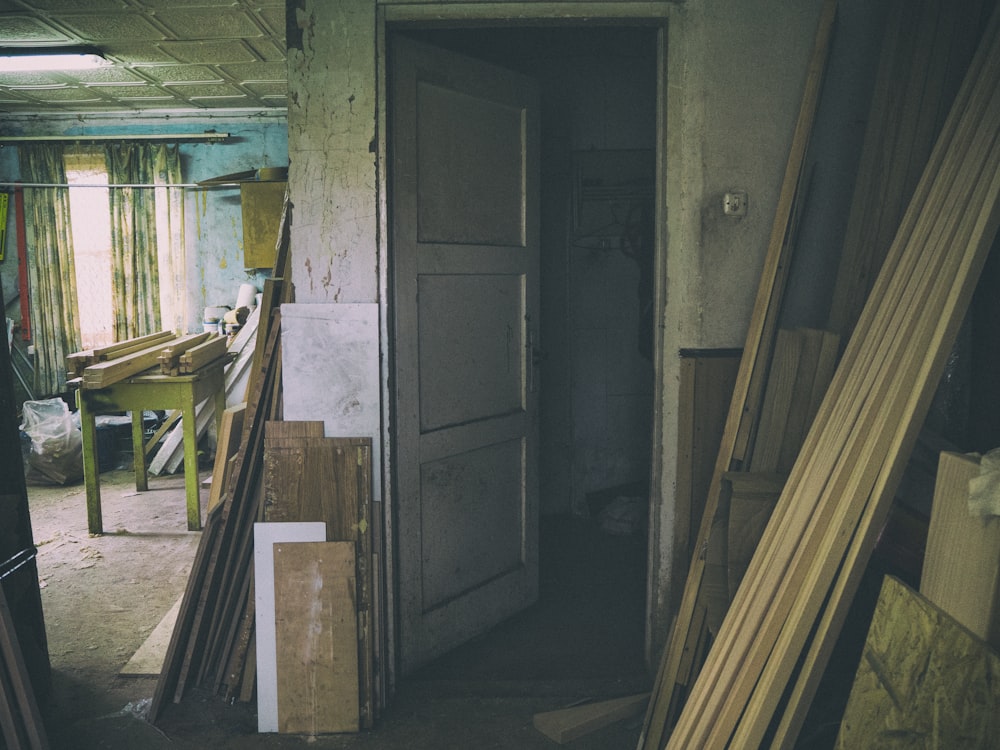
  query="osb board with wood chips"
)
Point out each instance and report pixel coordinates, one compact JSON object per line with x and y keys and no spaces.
{"x":924,"y":681}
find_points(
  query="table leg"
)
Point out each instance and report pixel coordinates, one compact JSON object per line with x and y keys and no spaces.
{"x":139,"y":453}
{"x":189,"y":425}
{"x":91,"y":471}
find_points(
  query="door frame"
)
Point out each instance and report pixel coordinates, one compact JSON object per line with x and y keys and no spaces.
{"x":665,"y":17}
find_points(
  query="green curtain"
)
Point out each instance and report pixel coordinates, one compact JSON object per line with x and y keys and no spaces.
{"x":134,"y":251}
{"x":170,"y":236}
{"x":55,"y":329}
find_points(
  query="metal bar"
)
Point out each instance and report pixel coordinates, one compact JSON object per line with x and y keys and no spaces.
{"x":27,"y":185}
{"x":171,"y":137}
{"x":18,"y":561}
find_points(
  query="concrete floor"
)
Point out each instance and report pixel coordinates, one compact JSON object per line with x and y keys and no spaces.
{"x":102,"y":596}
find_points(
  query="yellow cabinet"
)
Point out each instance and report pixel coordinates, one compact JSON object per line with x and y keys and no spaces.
{"x":261,"y":202}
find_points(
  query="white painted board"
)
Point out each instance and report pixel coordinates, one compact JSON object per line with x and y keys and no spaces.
{"x":265,"y":536}
{"x":330,"y":371}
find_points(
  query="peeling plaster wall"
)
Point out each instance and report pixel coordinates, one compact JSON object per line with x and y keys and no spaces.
{"x":734,"y":79}
{"x":331,"y":124}
{"x":213,"y":218}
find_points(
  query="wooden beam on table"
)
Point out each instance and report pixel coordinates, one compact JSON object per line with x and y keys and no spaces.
{"x":170,"y":357}
{"x":103,"y":374}
{"x":203,"y":354}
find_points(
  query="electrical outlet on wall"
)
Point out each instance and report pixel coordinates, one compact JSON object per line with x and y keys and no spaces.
{"x":735,"y":203}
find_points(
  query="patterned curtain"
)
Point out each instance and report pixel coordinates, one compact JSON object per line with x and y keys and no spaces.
{"x":52,"y":277}
{"x":135,"y":261}
{"x":170,"y":236}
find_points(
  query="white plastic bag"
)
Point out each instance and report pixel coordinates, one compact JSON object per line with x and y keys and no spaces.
{"x":56,"y":454}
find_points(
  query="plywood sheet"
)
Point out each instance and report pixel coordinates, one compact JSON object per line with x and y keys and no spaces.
{"x":924,"y":681}
{"x":317,"y":637}
{"x":962,"y":561}
{"x":148,"y":658}
{"x":265,"y":537}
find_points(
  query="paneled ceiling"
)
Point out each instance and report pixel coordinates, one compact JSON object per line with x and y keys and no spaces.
{"x":167,"y":55}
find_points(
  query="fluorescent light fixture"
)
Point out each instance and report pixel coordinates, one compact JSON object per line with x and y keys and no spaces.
{"x":32,"y":60}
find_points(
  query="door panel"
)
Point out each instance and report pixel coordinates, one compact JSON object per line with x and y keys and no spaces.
{"x":476,"y":357}
{"x":469,"y":189}
{"x":464,"y":207}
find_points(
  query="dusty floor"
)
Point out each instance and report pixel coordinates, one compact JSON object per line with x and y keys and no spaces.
{"x":102,"y":596}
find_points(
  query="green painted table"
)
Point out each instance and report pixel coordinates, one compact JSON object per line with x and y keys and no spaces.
{"x":135,"y":395}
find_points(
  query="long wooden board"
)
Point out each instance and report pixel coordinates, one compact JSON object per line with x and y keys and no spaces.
{"x":567,"y":724}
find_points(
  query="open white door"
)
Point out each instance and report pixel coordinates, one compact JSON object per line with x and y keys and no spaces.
{"x":463,"y":140}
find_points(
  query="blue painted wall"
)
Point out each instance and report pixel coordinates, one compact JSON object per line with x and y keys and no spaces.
{"x":214,"y":228}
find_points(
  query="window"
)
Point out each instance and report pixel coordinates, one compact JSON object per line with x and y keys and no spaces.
{"x":91,"y":229}
{"x":86,"y":169}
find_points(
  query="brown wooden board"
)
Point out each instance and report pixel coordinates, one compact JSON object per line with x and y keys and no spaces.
{"x":567,"y":724}
{"x":707,"y":379}
{"x":227,"y":445}
{"x":316,"y":634}
{"x":923,"y":681}
{"x":961,"y":570}
{"x":752,"y":498}
{"x":329,"y":480}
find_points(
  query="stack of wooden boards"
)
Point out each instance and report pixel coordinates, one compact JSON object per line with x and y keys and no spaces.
{"x":271,"y":477}
{"x":927,"y":48}
{"x":167,"y":352}
{"x":780,"y":627}
{"x":280,"y":472}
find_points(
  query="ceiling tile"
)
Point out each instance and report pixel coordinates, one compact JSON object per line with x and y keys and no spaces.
{"x":179,"y":73}
{"x":215,"y":52}
{"x":275,"y":71}
{"x":15,"y":29}
{"x":210,"y":24}
{"x":121,"y":26}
